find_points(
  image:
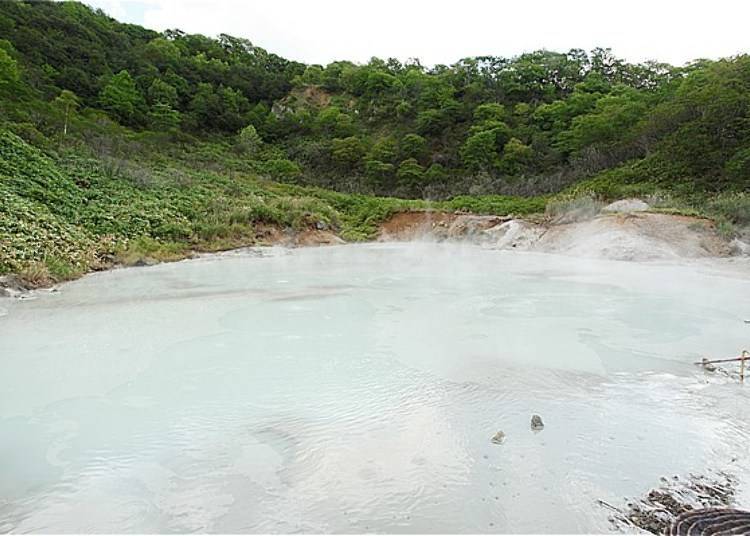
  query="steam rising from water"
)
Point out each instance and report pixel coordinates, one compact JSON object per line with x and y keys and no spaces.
{"x":357,"y":388}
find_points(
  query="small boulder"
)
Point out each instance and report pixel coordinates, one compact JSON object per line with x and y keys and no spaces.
{"x":627,"y":205}
{"x":145,"y":261}
{"x":536,"y":423}
{"x":739,"y":247}
{"x":498,"y":438}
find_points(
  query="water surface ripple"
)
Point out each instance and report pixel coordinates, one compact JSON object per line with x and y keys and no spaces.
{"x":356,"y":388}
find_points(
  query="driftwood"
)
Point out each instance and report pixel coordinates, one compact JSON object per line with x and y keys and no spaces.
{"x":744,"y":356}
{"x":728,"y":360}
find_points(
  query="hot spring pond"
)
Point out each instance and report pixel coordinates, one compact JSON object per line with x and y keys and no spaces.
{"x":356,"y":388}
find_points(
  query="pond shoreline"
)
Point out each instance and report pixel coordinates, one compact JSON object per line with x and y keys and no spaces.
{"x":640,"y":236}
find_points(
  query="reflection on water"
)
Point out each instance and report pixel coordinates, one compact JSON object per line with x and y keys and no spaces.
{"x":357,"y":388}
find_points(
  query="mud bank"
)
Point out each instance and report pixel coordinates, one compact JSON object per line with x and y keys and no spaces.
{"x":626,"y":232}
{"x":14,"y":286}
{"x":630,"y":236}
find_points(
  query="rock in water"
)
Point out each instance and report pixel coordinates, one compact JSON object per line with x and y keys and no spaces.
{"x":498,"y":438}
{"x":536,"y":423}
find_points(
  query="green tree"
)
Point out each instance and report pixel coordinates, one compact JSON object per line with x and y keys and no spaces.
{"x":410,"y":174}
{"x":282,"y":169}
{"x":383,"y":150}
{"x":333,"y":122}
{"x":435,"y":174}
{"x":250,"y":139}
{"x":516,"y":156}
{"x":489,"y":111}
{"x":413,"y":146}
{"x":378,"y":172}
{"x":121,"y":98}
{"x":163,"y":117}
{"x":163,"y":53}
{"x":347,"y":152}
{"x":479,"y":151}
{"x":67,"y":103}
{"x":161,"y":91}
{"x":610,"y":122}
{"x":8,"y":71}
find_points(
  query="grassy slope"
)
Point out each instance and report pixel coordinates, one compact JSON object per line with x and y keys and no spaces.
{"x":63,"y":215}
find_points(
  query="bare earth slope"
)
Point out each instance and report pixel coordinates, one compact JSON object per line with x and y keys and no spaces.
{"x":618,"y":236}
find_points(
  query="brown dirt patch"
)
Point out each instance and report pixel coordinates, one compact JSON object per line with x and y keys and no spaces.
{"x":413,"y":224}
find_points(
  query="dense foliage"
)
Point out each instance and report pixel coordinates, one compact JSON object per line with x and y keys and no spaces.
{"x":125,"y":133}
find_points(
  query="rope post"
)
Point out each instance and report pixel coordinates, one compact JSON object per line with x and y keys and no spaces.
{"x":745,"y":356}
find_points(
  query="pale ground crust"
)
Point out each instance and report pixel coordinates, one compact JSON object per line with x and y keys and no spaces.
{"x":626,"y":233}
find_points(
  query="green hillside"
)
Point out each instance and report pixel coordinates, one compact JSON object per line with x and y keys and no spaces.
{"x":118,"y":141}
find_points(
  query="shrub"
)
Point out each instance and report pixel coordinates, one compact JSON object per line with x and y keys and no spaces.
{"x":566,"y":210}
{"x":735,"y":207}
{"x":35,"y":274}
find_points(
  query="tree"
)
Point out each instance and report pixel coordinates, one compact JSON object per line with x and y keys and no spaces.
{"x":412,"y":146}
{"x":162,"y":92}
{"x":162,"y":52}
{"x":489,"y":111}
{"x":383,"y":150}
{"x":68,"y":103}
{"x":516,"y":156}
{"x":479,"y":151}
{"x":410,"y":173}
{"x":282,"y":169}
{"x":121,"y":98}
{"x":250,"y":139}
{"x":436,"y":173}
{"x":333,"y":122}
{"x":347,"y":152}
{"x":163,"y":117}
{"x":379,"y":172}
{"x":8,"y":70}
{"x":432,"y":122}
{"x":609,"y":123}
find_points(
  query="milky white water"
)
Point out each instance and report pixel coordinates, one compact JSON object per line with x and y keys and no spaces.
{"x":356,"y":388}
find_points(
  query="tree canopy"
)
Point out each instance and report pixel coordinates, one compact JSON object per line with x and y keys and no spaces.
{"x":545,"y":118}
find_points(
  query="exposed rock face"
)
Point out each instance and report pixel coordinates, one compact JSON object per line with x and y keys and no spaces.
{"x":438,"y":226}
{"x":627,"y":205}
{"x":514,"y":234}
{"x":638,"y":237}
{"x":317,"y":237}
{"x":617,"y":236}
{"x":471,"y":227}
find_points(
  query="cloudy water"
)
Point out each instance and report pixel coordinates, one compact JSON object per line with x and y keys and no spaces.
{"x":357,"y":388}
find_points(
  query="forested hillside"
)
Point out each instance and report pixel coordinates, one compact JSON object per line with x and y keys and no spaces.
{"x":119,"y":110}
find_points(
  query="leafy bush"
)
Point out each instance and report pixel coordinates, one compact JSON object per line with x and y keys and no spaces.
{"x":566,"y":210}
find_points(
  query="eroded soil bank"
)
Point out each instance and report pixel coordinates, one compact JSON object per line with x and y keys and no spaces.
{"x":637,"y":236}
{"x":627,"y":233}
